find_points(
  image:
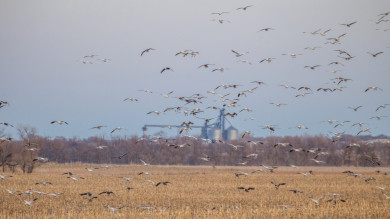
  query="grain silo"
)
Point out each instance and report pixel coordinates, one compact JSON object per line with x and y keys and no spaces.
{"x":215,"y":133}
{"x":231,"y":133}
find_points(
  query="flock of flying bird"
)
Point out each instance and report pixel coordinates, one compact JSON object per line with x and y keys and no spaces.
{"x":230,"y":100}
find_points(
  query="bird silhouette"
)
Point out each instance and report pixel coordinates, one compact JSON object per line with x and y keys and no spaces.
{"x":121,"y":156}
{"x":246,"y":189}
{"x":244,"y":8}
{"x":166,"y":69}
{"x":146,"y":50}
{"x":277,"y":185}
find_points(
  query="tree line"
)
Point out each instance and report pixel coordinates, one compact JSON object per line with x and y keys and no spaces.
{"x":31,"y":150}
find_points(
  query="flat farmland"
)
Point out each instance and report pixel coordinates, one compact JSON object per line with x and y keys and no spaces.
{"x":195,"y":192}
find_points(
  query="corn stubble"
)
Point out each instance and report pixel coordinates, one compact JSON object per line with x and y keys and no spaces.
{"x":195,"y":192}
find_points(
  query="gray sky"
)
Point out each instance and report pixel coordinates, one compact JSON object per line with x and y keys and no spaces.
{"x":43,"y":79}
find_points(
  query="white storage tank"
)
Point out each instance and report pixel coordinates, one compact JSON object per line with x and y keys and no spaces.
{"x":215,"y":134}
{"x":231,"y":133}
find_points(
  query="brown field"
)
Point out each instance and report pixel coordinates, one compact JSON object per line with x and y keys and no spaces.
{"x":196,"y":192}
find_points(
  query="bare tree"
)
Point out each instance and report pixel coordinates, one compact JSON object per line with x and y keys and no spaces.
{"x":5,"y":153}
{"x":30,"y":150}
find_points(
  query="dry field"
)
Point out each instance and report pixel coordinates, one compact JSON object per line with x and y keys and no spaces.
{"x":196,"y":192}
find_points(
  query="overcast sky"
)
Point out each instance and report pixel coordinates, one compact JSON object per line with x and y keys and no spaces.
{"x":43,"y":77}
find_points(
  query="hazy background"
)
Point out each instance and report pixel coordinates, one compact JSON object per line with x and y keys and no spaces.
{"x":42,"y":78}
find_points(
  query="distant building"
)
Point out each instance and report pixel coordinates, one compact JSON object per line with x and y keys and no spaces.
{"x":216,"y":133}
{"x":231,"y":133}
